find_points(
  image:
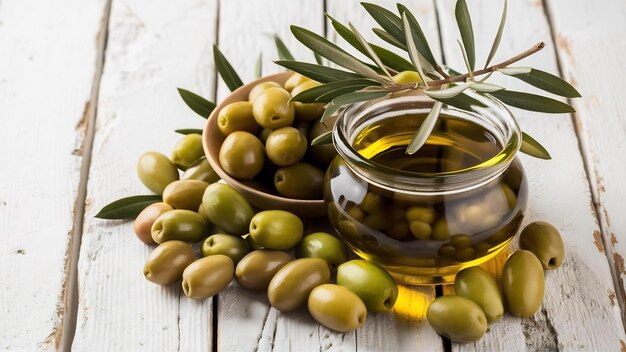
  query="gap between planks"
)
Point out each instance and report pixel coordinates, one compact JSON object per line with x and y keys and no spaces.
{"x":71,"y":269}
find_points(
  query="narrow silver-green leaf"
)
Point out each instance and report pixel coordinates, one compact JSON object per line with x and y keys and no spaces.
{"x":322,"y":74}
{"x":486,"y":87}
{"x":226,"y":70}
{"x":324,"y":138}
{"x":197,"y":103}
{"x":388,"y":20}
{"x":389,"y":38}
{"x":334,"y":53}
{"x":531,"y":147}
{"x":466,"y":60}
{"x":532,"y":102}
{"x":413,"y":53}
{"x":514,"y":70}
{"x":419,"y":39}
{"x":127,"y":208}
{"x":258,"y":67}
{"x":329,"y":110}
{"x":188,"y":131}
{"x":370,"y":51}
{"x":328,"y":97}
{"x":498,"y":38}
{"x":312,"y":95}
{"x":425,"y":129}
{"x":464,"y":21}
{"x":318,"y":59}
{"x":462,"y":101}
{"x":448,"y":92}
{"x":351,"y":98}
{"x":548,"y":82}
{"x":281,"y":49}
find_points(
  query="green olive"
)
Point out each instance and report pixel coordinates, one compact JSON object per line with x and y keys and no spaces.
{"x":205,"y":216}
{"x":292,"y":284}
{"x":355,"y":212}
{"x":233,"y":247}
{"x":337,"y":308}
{"x":377,"y":221}
{"x":276,"y":229}
{"x":321,"y":154}
{"x":256,"y":270}
{"x":145,"y":219}
{"x":522,"y":283}
{"x":323,"y":245}
{"x":398,"y":230}
{"x":265,"y":132}
{"x":179,"y":224}
{"x":457,"y":318}
{"x":464,"y":254}
{"x":307,"y":111}
{"x":285,"y":146}
{"x":227,"y":209}
{"x":372,"y":202}
{"x":478,"y":285}
{"x":241,"y":155}
{"x":295,"y":80}
{"x":303,"y":126}
{"x":461,"y":241}
{"x":348,"y":229}
{"x":300,"y":181}
{"x":156,"y":171}
{"x":187,"y":151}
{"x":440,"y":230}
{"x":446,"y":251}
{"x":185,"y":194}
{"x":201,"y":171}
{"x":166,"y":263}
{"x":474,"y":214}
{"x":406,"y":77}
{"x":545,"y":242}
{"x":370,"y":282}
{"x":260,"y":88}
{"x":251,"y":242}
{"x":272,"y":109}
{"x":237,"y":116}
{"x":426,"y":215}
{"x":207,"y":276}
{"x":420,"y":229}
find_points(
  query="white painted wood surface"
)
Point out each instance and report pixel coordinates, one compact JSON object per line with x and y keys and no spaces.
{"x":48,"y":63}
{"x":578,"y":296}
{"x":590,"y":46}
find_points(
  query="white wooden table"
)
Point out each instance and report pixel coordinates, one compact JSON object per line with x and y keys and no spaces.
{"x":86,"y":86}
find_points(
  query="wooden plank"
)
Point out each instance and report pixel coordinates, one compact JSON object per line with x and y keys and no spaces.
{"x":49,"y":62}
{"x":589,"y":55}
{"x":579,"y":310}
{"x":153,"y":47}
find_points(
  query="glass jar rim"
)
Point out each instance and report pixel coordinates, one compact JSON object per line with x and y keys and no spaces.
{"x":491,"y":111}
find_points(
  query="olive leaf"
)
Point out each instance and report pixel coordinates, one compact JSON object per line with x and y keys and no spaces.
{"x":389,"y":38}
{"x":419,"y":39}
{"x":413,"y":53}
{"x":318,"y":59}
{"x":532,"y":102}
{"x":258,"y":67}
{"x":197,"y":103}
{"x":334,"y":53}
{"x":486,"y":87}
{"x":313,"y":95}
{"x":322,"y":74}
{"x":546,"y":81}
{"x":225,"y":69}
{"x":281,"y":49}
{"x":498,"y":38}
{"x":466,"y":60}
{"x":464,"y":21}
{"x":351,"y":98}
{"x":388,"y":20}
{"x":533,"y":148}
{"x":188,"y":131}
{"x":462,"y":101}
{"x":127,"y":208}
{"x":425,"y":129}
{"x":514,"y":70}
{"x":370,"y":52}
{"x":448,"y":92}
{"x":324,"y":138}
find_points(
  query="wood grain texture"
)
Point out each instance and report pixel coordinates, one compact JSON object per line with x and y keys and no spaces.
{"x":590,"y":45}
{"x":153,"y":47}
{"x":45,"y":94}
{"x":579,"y":296}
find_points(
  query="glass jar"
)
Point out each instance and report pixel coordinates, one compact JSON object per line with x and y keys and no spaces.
{"x":455,"y":203}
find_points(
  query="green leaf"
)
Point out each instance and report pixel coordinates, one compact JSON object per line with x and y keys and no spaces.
{"x":226,"y":71}
{"x":464,"y":22}
{"x":413,"y":53}
{"x":127,"y":208}
{"x":329,"y":110}
{"x":334,"y":53}
{"x":389,"y":38}
{"x":532,"y":102}
{"x":498,"y":38}
{"x":548,"y":82}
{"x":462,"y":101}
{"x":425,"y":129}
{"x":258,"y":67}
{"x":419,"y":39}
{"x":281,"y":49}
{"x":486,"y":87}
{"x":197,"y":103}
{"x":188,"y":131}
{"x":324,"y":138}
{"x":322,"y":74}
{"x":388,"y":58}
{"x":351,"y":98}
{"x":388,"y":20}
{"x":370,"y":52}
{"x":514,"y":70}
{"x":313,"y":95}
{"x":448,"y":92}
{"x":531,"y":147}
{"x":318,"y":59}
{"x":466,"y":60}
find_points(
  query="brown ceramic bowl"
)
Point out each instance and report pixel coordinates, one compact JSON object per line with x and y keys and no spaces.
{"x":258,"y":194}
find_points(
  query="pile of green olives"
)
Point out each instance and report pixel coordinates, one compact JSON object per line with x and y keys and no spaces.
{"x":479,"y":301}
{"x":268,"y":138}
